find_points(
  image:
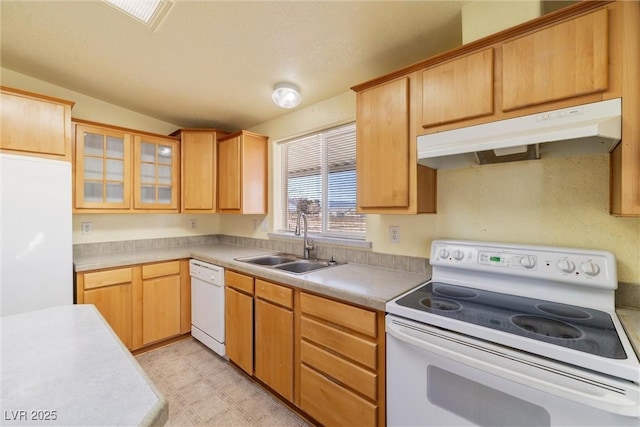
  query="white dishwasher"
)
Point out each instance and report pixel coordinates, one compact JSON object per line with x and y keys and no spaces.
{"x":207,"y":304}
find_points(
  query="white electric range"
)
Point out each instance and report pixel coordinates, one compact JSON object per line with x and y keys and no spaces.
{"x":509,"y":334}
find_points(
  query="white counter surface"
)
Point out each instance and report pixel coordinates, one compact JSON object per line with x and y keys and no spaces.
{"x":65,"y":366}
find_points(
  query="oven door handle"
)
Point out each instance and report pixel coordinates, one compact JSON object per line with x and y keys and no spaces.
{"x":607,"y":401}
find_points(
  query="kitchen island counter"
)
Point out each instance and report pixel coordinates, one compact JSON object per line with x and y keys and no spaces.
{"x":65,"y":366}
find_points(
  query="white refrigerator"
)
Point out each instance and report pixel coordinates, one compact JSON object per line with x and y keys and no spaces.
{"x":36,"y":252}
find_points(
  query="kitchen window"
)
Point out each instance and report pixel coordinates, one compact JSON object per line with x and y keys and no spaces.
{"x":319,"y":179}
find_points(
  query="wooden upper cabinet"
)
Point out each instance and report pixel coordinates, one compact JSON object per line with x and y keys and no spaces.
{"x":35,"y":125}
{"x":382,"y":145}
{"x":242,"y":173}
{"x":459,"y":89}
{"x":199,"y":175}
{"x":103,"y":168}
{"x":156,"y":173}
{"x":625,"y":158}
{"x":563,"y":61}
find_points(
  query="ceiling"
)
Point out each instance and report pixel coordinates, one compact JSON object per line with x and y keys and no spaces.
{"x":214,"y":63}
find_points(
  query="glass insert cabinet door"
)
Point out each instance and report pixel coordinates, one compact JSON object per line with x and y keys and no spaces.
{"x":103,"y":168}
{"x":156,"y":173}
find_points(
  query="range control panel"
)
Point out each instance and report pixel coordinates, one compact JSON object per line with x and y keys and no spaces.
{"x":593,"y":268}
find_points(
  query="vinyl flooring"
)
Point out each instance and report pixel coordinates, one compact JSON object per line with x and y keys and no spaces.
{"x":203,"y":389}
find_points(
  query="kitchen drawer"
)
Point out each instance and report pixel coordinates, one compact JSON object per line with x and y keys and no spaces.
{"x":331,"y":404}
{"x":354,"y":318}
{"x":99,"y":279}
{"x":239,"y":281}
{"x":160,"y":269}
{"x":351,"y":346}
{"x":341,"y":370}
{"x":276,"y":294}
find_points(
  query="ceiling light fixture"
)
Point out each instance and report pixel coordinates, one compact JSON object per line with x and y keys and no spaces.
{"x":286,"y":95}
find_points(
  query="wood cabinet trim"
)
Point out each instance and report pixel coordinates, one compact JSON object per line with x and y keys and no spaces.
{"x":99,"y":279}
{"x":347,"y":374}
{"x":346,"y":315}
{"x":276,"y":294}
{"x":239,"y":282}
{"x":167,"y":268}
{"x":36,"y":96}
{"x":122,"y":129}
{"x":353,"y":347}
{"x":332,"y":404}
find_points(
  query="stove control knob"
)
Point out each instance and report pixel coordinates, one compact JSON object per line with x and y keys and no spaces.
{"x":565,"y":265}
{"x":528,"y":261}
{"x":457,"y":254}
{"x":444,"y":253}
{"x":590,"y":268}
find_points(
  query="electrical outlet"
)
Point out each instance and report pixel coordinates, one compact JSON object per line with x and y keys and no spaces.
{"x":87,"y":227}
{"x":194,"y":223}
{"x":263,"y":225}
{"x":394,"y":234}
{"x":255,"y":224}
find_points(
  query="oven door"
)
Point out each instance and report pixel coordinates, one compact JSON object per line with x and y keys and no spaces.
{"x":439,"y":378}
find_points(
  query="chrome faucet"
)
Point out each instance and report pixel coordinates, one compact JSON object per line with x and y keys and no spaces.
{"x":306,"y":243}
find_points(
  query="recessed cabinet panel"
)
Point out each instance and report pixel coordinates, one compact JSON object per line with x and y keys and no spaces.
{"x":242,"y":173}
{"x":459,"y":89}
{"x":160,"y":308}
{"x":199,"y":170}
{"x":239,"y":328}
{"x":563,"y":61}
{"x":274,"y":347}
{"x":35,"y":125}
{"x":382,"y":145}
{"x":115,"y":304}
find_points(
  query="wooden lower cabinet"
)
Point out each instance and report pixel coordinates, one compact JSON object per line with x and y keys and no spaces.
{"x":274,"y":337}
{"x":143,"y":304}
{"x":341,"y":362}
{"x":324,"y":356}
{"x":331,"y":404}
{"x":238,"y":322}
{"x":160,"y":301}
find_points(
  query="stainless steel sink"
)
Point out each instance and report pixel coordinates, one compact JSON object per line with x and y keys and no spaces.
{"x":270,"y":259}
{"x":289,"y":263}
{"x":303,"y":265}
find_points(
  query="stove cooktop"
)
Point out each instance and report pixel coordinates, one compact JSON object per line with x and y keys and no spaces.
{"x":578,"y":328}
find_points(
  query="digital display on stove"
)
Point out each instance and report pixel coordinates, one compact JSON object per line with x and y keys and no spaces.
{"x":579,"y":328}
{"x":494,"y":258}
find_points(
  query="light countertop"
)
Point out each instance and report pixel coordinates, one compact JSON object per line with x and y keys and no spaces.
{"x":65,"y":366}
{"x":358,"y":284}
{"x":630,"y":319}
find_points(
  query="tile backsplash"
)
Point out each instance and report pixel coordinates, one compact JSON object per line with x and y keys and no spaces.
{"x":323,"y":251}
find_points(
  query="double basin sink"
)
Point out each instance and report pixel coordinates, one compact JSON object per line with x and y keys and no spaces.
{"x":289,"y":262}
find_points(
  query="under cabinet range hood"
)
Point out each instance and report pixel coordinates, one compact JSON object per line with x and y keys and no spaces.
{"x":588,"y":128}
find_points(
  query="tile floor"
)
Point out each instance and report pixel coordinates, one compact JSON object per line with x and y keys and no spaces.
{"x":204,"y":390}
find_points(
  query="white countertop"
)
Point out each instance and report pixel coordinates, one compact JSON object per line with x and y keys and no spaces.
{"x":358,"y":284}
{"x":65,"y":366}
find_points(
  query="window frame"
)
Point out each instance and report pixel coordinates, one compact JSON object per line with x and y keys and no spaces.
{"x":282,"y":201}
